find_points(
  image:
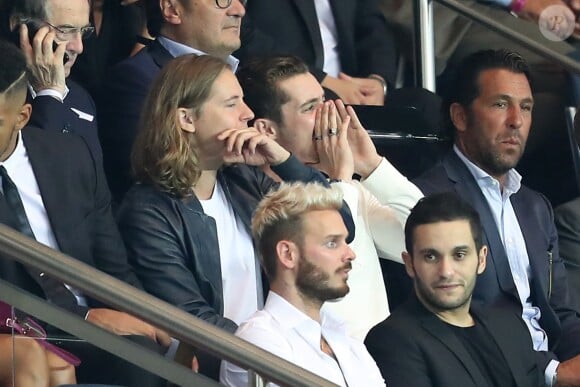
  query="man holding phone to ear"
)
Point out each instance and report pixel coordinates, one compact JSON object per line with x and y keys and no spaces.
{"x":51,"y":33}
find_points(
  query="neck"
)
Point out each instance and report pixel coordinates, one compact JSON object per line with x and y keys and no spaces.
{"x":459,"y":316}
{"x":205,"y":184}
{"x":501,"y":178}
{"x":306,"y":305}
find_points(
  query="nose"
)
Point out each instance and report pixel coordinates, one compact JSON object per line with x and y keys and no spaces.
{"x":237,"y":8}
{"x":445,"y":267}
{"x":349,"y":254}
{"x":515,"y":117}
{"x":75,"y":45}
{"x":247,"y":114}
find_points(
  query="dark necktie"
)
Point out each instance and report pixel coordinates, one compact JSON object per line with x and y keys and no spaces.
{"x":54,"y":290}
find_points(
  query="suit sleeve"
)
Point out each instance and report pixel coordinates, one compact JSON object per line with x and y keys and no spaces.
{"x":155,"y":247}
{"x":562,"y":300}
{"x":567,"y":219}
{"x":398,"y":357}
{"x":108,"y":249}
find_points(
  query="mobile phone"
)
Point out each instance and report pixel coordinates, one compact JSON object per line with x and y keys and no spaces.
{"x":33,"y":28}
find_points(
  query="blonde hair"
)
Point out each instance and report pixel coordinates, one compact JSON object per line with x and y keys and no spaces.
{"x":163,"y":154}
{"x":279,"y":216}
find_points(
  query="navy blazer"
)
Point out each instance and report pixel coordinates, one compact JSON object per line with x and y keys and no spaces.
{"x":77,"y":203}
{"x":548,"y":284}
{"x":124,"y":95}
{"x":413,"y":347}
{"x":365,"y":43}
{"x":51,"y":114}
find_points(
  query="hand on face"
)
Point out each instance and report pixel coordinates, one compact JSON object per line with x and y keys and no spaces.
{"x":364,"y":152}
{"x":45,"y":65}
{"x":122,"y":323}
{"x":330,"y":140}
{"x":249,"y":146}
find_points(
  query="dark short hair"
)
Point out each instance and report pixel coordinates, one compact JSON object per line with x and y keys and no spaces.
{"x":442,"y":207}
{"x":259,"y":79}
{"x":462,"y":80}
{"x":36,"y":9}
{"x":12,"y":69}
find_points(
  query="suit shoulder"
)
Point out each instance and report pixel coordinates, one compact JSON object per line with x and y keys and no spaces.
{"x":433,"y":180}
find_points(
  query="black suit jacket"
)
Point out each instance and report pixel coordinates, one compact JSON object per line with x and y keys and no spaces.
{"x":124,"y":94}
{"x":50,"y":114}
{"x":413,"y":347}
{"x":548,"y":284}
{"x":365,"y":42}
{"x":77,"y":202}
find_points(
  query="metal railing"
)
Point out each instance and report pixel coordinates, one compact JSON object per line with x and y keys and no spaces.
{"x":424,"y":39}
{"x":119,"y":295}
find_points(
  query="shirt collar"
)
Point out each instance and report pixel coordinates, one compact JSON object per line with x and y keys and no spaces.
{"x":289,"y":317}
{"x":177,"y":49}
{"x":12,"y":162}
{"x":512,"y":181}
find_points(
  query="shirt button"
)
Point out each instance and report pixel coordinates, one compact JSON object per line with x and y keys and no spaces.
{"x":66,"y":128}
{"x":42,"y":274}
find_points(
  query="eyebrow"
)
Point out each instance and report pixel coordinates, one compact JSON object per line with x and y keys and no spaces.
{"x":232,"y":98}
{"x":509,"y":97}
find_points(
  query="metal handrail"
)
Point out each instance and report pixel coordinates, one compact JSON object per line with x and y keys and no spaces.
{"x":176,"y":322}
{"x":424,"y":33}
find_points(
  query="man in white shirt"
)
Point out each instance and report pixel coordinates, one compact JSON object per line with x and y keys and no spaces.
{"x":303,"y":249}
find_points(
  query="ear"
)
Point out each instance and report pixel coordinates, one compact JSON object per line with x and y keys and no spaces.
{"x":170,"y":11}
{"x":458,"y":116}
{"x":408,"y":260}
{"x":482,"y":259}
{"x":287,"y":253}
{"x":23,"y":116}
{"x":267,"y":127}
{"x":184,"y":118}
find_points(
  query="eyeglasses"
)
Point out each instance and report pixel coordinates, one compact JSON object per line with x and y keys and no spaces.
{"x":29,"y":328}
{"x":226,"y":3}
{"x":64,"y":33}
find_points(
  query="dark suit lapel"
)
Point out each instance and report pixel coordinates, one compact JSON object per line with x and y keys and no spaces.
{"x":467,"y":188}
{"x":503,"y":339}
{"x":308,"y":13}
{"x":534,"y":238}
{"x":441,"y":332}
{"x":43,"y":166}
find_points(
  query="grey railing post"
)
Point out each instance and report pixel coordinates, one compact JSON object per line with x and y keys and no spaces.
{"x":424,"y":45}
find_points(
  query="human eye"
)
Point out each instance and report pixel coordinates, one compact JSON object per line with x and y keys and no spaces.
{"x":430,"y":257}
{"x":500,"y":104}
{"x":331,"y":244}
{"x":527,"y":107}
{"x":460,"y":255}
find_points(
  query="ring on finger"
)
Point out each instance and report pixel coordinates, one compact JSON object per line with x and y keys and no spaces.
{"x":317,"y":138}
{"x":332,"y":132}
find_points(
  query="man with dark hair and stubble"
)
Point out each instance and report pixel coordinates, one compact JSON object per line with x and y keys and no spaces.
{"x":438,"y":338}
{"x":489,"y":108}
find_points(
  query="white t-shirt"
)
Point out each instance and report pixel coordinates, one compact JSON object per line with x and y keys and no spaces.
{"x":237,"y":258}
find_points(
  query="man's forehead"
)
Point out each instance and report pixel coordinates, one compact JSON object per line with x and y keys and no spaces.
{"x":301,"y":88}
{"x":503,"y":82}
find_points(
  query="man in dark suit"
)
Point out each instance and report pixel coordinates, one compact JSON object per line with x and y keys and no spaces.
{"x":346,"y":44}
{"x":59,"y":104}
{"x":437,"y":338}
{"x":490,"y":109}
{"x":181,"y":27}
{"x":55,"y":191}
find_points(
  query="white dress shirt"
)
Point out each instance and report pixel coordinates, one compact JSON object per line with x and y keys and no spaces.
{"x":285,"y":331}
{"x":329,"y":37}
{"x":177,"y":49}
